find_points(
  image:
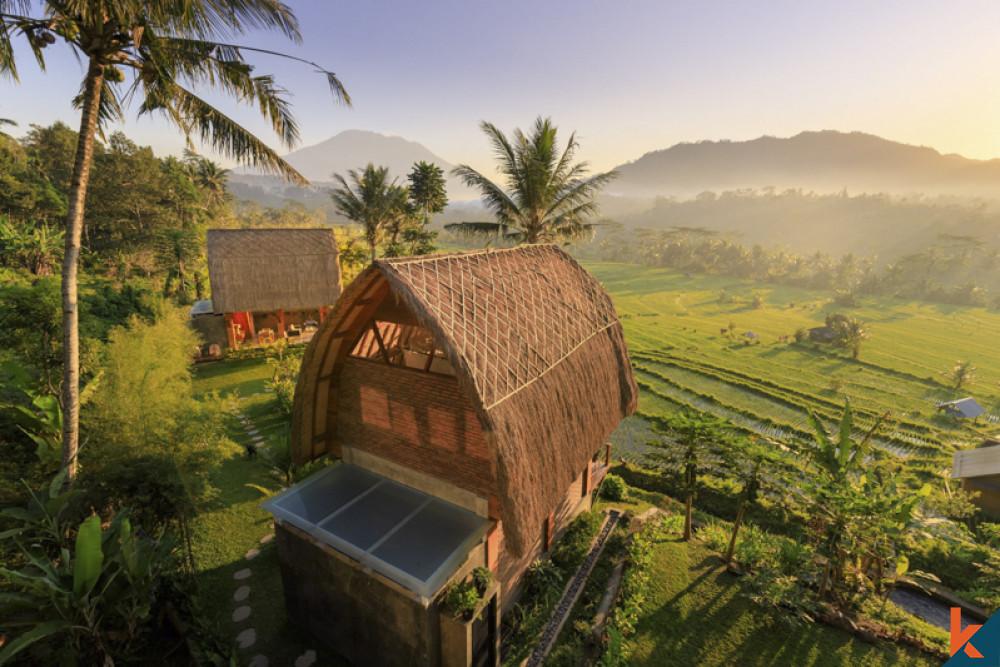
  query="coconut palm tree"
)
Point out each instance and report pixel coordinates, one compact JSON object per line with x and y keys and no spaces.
{"x":547,"y":198}
{"x":168,"y":47}
{"x":371,"y":200}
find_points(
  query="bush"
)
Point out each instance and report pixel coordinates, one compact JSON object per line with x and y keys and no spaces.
{"x":462,"y":598}
{"x":542,"y":578}
{"x":575,"y":542}
{"x":614,"y":488}
{"x":715,"y":536}
{"x":753,"y":547}
{"x":793,"y":556}
{"x":801,"y":334}
{"x":482,"y":577}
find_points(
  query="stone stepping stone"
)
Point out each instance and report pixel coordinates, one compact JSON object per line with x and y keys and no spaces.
{"x":241,"y":613}
{"x":253,"y":553}
{"x":258,"y":438}
{"x":242,"y":574}
{"x":247,"y":638}
{"x":267,"y":538}
{"x":258,"y":661}
{"x":242,"y":593}
{"x":256,"y":393}
{"x":306,"y":659}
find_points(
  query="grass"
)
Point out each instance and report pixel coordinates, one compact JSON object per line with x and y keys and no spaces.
{"x":696,"y":615}
{"x":227,"y":529}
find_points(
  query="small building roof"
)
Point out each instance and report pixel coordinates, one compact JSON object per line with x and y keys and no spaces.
{"x":203,"y":307}
{"x":536,"y":346}
{"x":981,"y":462}
{"x":261,"y":270}
{"x":962,"y":408}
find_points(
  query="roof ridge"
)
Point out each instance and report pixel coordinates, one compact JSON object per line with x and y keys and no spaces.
{"x":464,"y":253}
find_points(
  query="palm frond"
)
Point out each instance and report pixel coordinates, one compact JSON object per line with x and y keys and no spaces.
{"x":194,"y":115}
{"x":477,"y":228}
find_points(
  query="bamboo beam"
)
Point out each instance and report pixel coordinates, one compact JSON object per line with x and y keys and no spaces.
{"x":378,"y":339}
{"x":430,"y":359}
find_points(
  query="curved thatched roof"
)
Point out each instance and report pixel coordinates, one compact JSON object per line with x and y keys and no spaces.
{"x":537,"y":348}
{"x":272,"y":269}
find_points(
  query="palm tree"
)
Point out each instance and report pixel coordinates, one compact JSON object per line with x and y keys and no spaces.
{"x":210,"y":178}
{"x":547,"y":198}
{"x":168,"y":47}
{"x":851,"y":336}
{"x":371,"y":200}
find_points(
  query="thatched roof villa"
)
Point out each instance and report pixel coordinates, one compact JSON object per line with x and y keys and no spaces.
{"x":271,"y":284}
{"x":470,"y":397}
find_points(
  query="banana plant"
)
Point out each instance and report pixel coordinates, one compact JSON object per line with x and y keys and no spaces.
{"x":99,"y":592}
{"x":42,"y":421}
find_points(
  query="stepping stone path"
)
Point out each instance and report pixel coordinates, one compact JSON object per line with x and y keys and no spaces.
{"x":248,"y":637}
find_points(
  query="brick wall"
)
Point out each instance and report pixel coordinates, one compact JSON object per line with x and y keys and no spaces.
{"x":420,"y":420}
{"x":512,"y":568}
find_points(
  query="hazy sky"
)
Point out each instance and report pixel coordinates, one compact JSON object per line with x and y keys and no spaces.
{"x":628,"y":76}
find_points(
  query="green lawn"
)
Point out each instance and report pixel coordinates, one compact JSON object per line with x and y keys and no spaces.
{"x":227,"y":529}
{"x":696,"y":615}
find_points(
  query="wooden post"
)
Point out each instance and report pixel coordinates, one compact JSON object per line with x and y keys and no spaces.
{"x":281,"y":323}
{"x":550,"y":529}
{"x":253,"y":331}
{"x":323,"y":311}
{"x":230,"y":334}
{"x":587,"y":479}
{"x":607,"y":454}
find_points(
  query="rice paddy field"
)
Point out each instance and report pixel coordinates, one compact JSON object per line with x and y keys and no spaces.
{"x":688,"y":343}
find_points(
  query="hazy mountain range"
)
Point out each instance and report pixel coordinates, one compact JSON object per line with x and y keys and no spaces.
{"x":807,"y":192}
{"x":822,"y":162}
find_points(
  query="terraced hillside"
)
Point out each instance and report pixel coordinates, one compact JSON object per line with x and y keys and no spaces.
{"x":687,"y":339}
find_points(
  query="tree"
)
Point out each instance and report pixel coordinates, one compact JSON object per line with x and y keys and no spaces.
{"x":427,"y":191}
{"x":692,"y":439}
{"x":851,"y":332}
{"x":752,"y":462}
{"x":964,"y":373}
{"x":371,"y":200}
{"x":548,"y":197}
{"x":168,"y":47}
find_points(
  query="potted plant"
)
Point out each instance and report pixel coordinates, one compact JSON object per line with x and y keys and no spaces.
{"x":463,"y":599}
{"x":482,"y":577}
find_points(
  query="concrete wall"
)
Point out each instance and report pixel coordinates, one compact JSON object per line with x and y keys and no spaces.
{"x":363,"y":616}
{"x":360,"y":615}
{"x":419,"y":420}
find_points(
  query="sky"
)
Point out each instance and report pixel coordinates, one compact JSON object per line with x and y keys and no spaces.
{"x":628,"y":77}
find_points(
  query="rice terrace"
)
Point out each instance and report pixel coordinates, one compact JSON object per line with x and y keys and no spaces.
{"x":673,"y":326}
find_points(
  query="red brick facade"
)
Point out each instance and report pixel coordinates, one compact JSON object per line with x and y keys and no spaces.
{"x":512,"y":568}
{"x":420,"y":420}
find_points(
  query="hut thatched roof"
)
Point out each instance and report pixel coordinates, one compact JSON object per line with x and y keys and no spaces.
{"x":271,"y":269}
{"x":537,"y":348}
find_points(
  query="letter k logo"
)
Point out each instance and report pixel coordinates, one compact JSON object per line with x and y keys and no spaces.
{"x":959,"y":636}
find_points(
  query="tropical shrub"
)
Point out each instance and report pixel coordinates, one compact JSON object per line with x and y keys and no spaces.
{"x":575,"y":542}
{"x":482,"y":577}
{"x":97,"y":594}
{"x":462,"y":598}
{"x":613,"y":488}
{"x":714,"y":535}
{"x":754,"y":547}
{"x":542,"y":578}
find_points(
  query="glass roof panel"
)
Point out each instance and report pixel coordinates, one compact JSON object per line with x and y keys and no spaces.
{"x":409,"y":536}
